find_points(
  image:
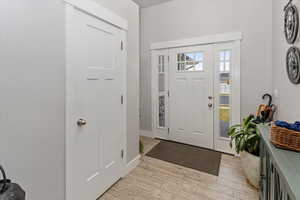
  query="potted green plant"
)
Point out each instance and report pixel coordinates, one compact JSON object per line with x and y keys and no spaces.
{"x":246,"y":138}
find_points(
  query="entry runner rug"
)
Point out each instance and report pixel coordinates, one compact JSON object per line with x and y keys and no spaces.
{"x":188,"y":156}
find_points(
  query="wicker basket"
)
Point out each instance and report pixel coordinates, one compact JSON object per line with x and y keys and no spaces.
{"x":285,"y":138}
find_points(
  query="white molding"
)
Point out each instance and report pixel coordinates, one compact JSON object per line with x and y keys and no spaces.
{"x":147,"y":133}
{"x":100,"y":12}
{"x":125,"y":103}
{"x":154,"y":92}
{"x":161,"y":133}
{"x":132,"y":165}
{"x":209,"y":39}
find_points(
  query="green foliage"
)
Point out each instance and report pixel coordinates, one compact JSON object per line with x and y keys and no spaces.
{"x":245,"y":136}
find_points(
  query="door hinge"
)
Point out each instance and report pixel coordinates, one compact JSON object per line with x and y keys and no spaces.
{"x":122,"y":45}
{"x":168,"y":130}
{"x":122,"y":99}
{"x":168,"y":58}
{"x":122,"y":154}
{"x":168,"y":93}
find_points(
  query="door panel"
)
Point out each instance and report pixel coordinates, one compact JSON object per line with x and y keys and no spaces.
{"x":191,"y":85}
{"x":227,"y":87}
{"x":94,"y":87}
{"x":160,"y":99}
{"x":179,"y":120}
{"x":196,"y":99}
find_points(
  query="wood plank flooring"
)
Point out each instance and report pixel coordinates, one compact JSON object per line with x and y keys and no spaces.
{"x":158,"y":180}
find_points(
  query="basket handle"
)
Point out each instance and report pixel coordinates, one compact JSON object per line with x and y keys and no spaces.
{"x":2,"y":189}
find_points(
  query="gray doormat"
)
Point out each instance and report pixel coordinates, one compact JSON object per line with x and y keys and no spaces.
{"x":188,"y":156}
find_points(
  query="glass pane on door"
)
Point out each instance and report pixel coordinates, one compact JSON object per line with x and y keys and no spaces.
{"x":162,"y":113}
{"x":161,"y":82}
{"x":162,"y":91}
{"x":190,"y":62}
{"x":224,"y":92}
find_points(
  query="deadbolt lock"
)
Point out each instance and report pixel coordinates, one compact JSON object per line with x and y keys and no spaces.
{"x":81,"y":122}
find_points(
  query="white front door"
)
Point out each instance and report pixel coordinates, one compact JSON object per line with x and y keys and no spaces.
{"x":191,"y":95}
{"x":95,"y":110}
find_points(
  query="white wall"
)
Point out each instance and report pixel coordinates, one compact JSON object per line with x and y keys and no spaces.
{"x":130,"y":11}
{"x":289,"y":94}
{"x":179,"y":19}
{"x":32,"y":85}
{"x":32,"y":112}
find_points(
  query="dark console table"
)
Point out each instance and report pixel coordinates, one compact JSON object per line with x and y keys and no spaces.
{"x":280,"y":171}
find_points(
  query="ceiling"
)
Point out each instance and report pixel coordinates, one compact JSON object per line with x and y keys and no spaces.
{"x":147,"y":3}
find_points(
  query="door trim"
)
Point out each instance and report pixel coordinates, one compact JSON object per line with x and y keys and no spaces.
{"x":233,"y":38}
{"x":160,"y":132}
{"x":209,"y":39}
{"x":222,"y":144}
{"x":69,"y":12}
{"x":132,"y":165}
{"x":95,"y":9}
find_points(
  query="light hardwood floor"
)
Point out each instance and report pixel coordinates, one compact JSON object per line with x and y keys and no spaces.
{"x":158,"y":180}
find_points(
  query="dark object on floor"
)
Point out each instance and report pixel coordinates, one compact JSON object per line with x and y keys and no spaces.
{"x":9,"y":190}
{"x":188,"y":156}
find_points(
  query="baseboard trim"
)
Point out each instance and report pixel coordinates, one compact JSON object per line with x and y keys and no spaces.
{"x":146,"y":133}
{"x":132,"y":165}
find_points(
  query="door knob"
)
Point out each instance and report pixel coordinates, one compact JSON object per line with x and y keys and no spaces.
{"x":210,"y":105}
{"x":81,"y":122}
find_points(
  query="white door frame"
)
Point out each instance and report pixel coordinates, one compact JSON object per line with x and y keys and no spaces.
{"x":234,"y":38}
{"x":222,"y":144}
{"x":209,"y":39}
{"x":100,"y":12}
{"x":160,"y":132}
{"x":94,"y":9}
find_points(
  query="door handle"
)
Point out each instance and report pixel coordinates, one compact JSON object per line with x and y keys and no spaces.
{"x":81,"y":122}
{"x":210,"y":105}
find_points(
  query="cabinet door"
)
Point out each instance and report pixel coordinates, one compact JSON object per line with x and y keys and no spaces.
{"x":287,"y":196}
{"x":278,"y":187}
{"x":264,"y":173}
{"x":287,"y":193}
{"x":272,"y":184}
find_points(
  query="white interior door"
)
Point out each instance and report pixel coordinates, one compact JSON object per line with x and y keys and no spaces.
{"x":191,"y":95}
{"x":95,"y":110}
